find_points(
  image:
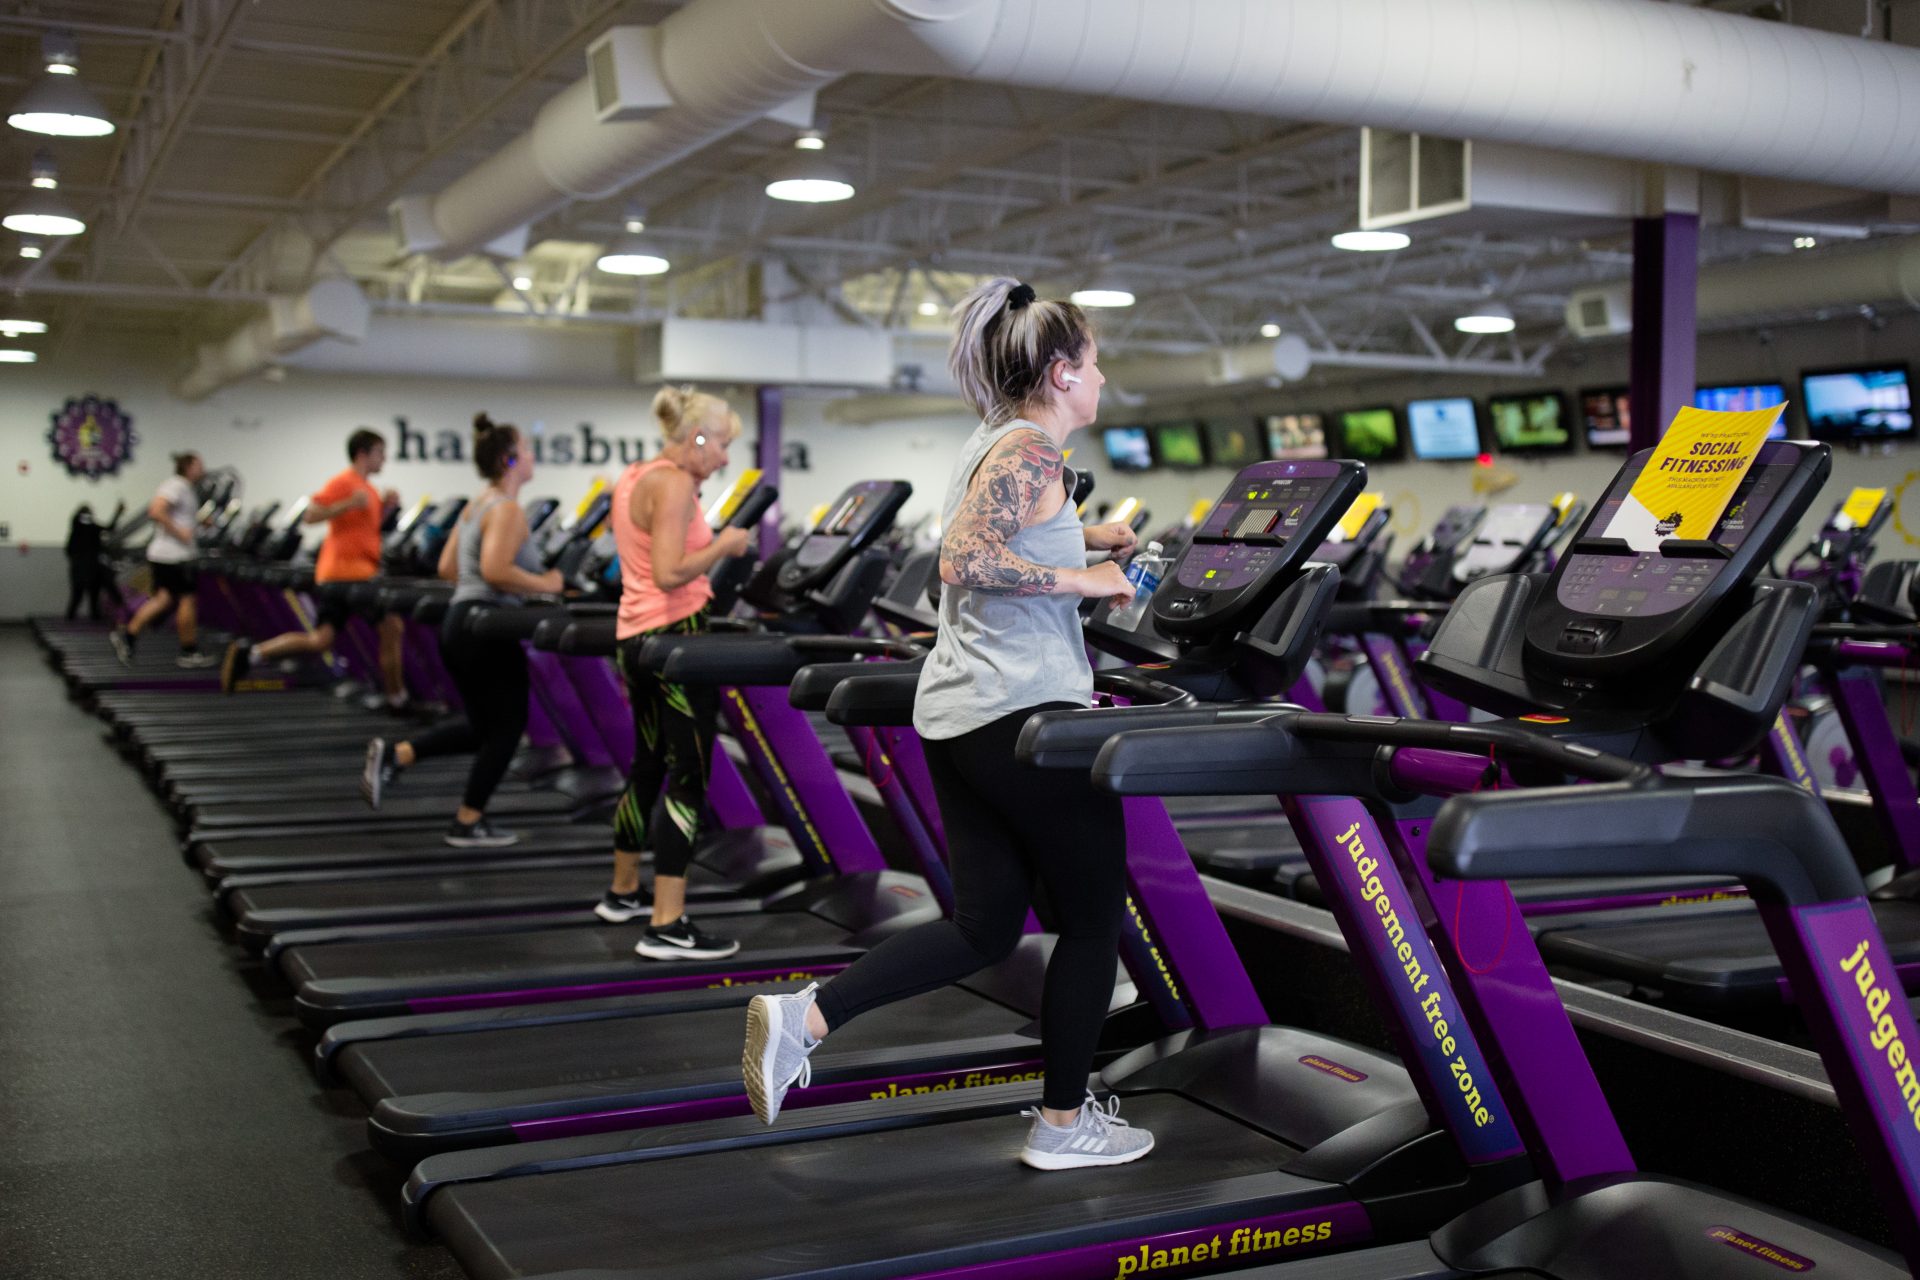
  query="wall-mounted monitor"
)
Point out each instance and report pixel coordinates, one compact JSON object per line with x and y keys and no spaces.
{"x":1234,"y":442}
{"x":1741,"y":397}
{"x":1532,"y":423}
{"x":1128,"y":448}
{"x":1608,"y":418}
{"x":1371,"y":435}
{"x":1871,"y":402}
{"x":1179,"y":445}
{"x":1296,"y":435}
{"x":1444,"y":430}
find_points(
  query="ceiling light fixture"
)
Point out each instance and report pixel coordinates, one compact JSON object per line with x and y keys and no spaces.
{"x":1488,"y":317}
{"x":808,"y":178}
{"x":523,"y":283}
{"x":21,"y":328}
{"x":1105,"y":289}
{"x":810,"y":140}
{"x":17,"y":355}
{"x":632,"y":256}
{"x":1804,"y":242}
{"x":57,"y":104}
{"x":1269,"y":330}
{"x":634,"y":221}
{"x":929,"y":308}
{"x":30,"y":250}
{"x":1372,"y":241}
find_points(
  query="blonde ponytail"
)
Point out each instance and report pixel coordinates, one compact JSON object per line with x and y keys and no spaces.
{"x":682,"y":410}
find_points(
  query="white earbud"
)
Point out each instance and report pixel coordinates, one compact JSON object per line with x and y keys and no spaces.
{"x":1067,"y":377}
{"x":699,"y":439}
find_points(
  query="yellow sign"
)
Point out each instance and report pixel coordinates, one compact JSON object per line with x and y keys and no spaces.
{"x":736,"y":493}
{"x":1686,"y":485}
{"x":818,"y":514}
{"x":1197,"y":515}
{"x":1124,"y":511}
{"x":1356,"y":518}
{"x":593,"y":491}
{"x":1563,"y":503}
{"x":1860,"y":506}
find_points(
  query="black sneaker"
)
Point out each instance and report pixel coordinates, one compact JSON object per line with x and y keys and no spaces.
{"x":379,"y":772}
{"x":618,"y":908}
{"x":479,"y":835}
{"x":122,"y":644}
{"x":234,"y":667}
{"x":683,"y":940}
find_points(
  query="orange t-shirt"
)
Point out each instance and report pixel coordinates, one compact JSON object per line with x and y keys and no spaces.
{"x":351,"y":552}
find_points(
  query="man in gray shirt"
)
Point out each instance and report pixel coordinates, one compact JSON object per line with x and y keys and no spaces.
{"x":175,"y":514}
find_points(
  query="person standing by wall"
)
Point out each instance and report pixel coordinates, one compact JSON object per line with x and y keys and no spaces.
{"x":84,"y":540}
{"x":351,"y":508}
{"x":175,"y":515}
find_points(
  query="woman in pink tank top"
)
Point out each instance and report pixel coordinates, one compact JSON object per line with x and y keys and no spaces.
{"x":666,"y":550}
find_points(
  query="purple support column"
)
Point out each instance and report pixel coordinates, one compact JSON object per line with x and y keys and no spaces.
{"x":1666,"y":279}
{"x":766,"y":456}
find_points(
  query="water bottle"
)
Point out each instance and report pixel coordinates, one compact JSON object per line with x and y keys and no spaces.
{"x":1144,"y":572}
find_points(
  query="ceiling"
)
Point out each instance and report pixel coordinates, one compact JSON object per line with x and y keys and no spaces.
{"x":260,"y":142}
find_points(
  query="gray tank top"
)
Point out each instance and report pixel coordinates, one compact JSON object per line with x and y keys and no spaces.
{"x":997,"y":654}
{"x":472,"y":585}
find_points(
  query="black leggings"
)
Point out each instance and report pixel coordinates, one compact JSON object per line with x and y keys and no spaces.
{"x":491,"y":675}
{"x":673,"y":727}
{"x":1006,"y":825}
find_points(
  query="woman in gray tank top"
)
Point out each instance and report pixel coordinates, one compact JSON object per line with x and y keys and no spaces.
{"x":1014,"y":561}
{"x":491,"y":560}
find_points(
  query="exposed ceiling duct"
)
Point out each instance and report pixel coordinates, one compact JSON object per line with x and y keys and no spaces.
{"x":329,"y":309}
{"x":1660,"y":83}
{"x":1878,"y":273}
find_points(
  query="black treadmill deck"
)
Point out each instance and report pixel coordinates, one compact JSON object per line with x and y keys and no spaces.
{"x":870,"y":1204}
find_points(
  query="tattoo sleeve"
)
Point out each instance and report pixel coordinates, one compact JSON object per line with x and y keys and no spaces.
{"x":1005,"y":492}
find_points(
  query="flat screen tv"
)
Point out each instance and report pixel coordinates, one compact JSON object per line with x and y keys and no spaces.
{"x":1296,"y":435}
{"x":1371,"y":435}
{"x":1741,"y":397}
{"x":1128,"y":448}
{"x":1444,"y":430}
{"x":1867,"y":403}
{"x":1531,"y":423}
{"x":1609,"y":423}
{"x":1179,"y":445}
{"x":1234,"y":442}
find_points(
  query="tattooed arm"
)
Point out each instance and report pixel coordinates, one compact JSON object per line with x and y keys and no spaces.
{"x":1005,"y":494}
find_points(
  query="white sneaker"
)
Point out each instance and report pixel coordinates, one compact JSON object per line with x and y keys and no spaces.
{"x":775,"y":1059}
{"x":1097,"y":1136}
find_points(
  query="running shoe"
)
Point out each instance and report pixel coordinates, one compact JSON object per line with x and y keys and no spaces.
{"x":776,"y":1057}
{"x":1097,"y":1136}
{"x":618,"y":908}
{"x":122,"y":643}
{"x":683,"y":940}
{"x":379,"y":772}
{"x":479,"y":835}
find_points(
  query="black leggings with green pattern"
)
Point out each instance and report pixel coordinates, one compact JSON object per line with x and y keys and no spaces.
{"x":673,"y":728}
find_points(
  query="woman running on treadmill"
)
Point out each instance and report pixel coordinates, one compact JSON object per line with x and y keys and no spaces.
{"x":1014,"y":565}
{"x":491,"y":561}
{"x":665,"y":551}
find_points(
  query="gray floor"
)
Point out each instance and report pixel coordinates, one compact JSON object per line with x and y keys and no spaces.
{"x":156,"y":1116}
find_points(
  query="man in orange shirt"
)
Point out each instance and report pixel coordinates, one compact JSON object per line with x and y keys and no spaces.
{"x":352,"y":508}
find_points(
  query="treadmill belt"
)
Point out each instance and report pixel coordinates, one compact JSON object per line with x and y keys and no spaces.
{"x":1723,"y":956}
{"x":232,"y":855}
{"x":407,"y":898}
{"x":588,"y":1056}
{"x":504,"y":955}
{"x":348,"y":810}
{"x":820,"y":1207}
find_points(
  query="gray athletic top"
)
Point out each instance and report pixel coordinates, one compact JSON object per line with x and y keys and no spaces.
{"x":472,"y":584}
{"x":997,"y":654}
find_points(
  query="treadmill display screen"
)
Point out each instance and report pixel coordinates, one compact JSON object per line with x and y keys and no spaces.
{"x":1248,"y":527}
{"x":1648,"y":584}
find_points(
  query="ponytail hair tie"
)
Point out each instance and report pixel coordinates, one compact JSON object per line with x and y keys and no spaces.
{"x":1020,"y":297}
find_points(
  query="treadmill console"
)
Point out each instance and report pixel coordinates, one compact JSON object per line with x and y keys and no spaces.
{"x":853,"y":522}
{"x":1512,"y":533}
{"x":1606,"y":602}
{"x":1270,"y":521}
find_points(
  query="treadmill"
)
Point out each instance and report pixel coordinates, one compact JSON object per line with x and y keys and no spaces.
{"x":1714,"y":668}
{"x":819,"y":925}
{"x":1268,"y":1132}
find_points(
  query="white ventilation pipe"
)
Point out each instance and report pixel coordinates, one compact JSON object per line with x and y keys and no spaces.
{"x":1881,"y":273}
{"x":1653,"y":82}
{"x":330,"y":309}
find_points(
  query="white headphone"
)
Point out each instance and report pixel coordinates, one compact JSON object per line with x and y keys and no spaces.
{"x":699,"y":439}
{"x":1067,"y":377}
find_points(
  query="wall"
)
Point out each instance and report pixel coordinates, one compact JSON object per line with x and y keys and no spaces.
{"x":286,"y":437}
